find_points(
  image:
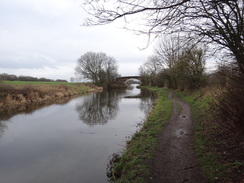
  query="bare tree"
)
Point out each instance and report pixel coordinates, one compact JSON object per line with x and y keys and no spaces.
{"x":191,"y":67}
{"x":153,"y":65}
{"x":212,"y":21}
{"x":168,"y":49}
{"x":182,"y":67}
{"x":97,"y":67}
{"x":150,"y":69}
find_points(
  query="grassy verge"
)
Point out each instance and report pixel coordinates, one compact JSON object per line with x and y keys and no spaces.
{"x":131,"y":166}
{"x":204,"y":144}
{"x":214,"y":151}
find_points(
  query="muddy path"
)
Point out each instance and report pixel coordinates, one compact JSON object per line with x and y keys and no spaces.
{"x":175,"y":160}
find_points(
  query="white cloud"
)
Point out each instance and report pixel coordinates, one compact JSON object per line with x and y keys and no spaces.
{"x":44,"y":38}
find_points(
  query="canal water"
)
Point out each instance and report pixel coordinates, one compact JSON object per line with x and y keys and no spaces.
{"x":72,"y":142}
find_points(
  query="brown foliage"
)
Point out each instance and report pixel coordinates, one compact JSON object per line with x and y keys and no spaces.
{"x":230,"y":105}
{"x":11,"y":95}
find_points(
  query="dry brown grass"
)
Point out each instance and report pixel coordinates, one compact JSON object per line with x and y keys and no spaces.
{"x":19,"y":94}
{"x":230,"y":104}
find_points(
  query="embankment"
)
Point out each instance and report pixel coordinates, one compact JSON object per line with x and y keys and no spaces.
{"x":132,"y":166}
{"x":14,"y":96}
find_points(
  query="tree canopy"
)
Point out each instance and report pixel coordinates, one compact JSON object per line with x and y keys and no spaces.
{"x":213,"y":21}
{"x":97,"y":67}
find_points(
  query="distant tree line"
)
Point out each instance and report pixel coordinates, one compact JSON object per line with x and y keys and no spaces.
{"x":12,"y":77}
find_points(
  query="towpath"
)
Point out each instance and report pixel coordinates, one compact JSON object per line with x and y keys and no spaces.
{"x":175,"y":160}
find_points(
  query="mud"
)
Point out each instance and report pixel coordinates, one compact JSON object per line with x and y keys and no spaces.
{"x":175,"y":160}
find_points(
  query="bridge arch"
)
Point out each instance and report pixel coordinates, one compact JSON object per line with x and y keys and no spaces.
{"x":135,"y":81}
{"x":124,"y":79}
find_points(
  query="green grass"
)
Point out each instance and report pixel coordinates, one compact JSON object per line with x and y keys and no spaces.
{"x":132,"y":165}
{"x":204,"y":146}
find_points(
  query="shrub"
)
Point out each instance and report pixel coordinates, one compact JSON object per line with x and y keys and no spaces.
{"x":5,"y":90}
{"x":230,"y":104}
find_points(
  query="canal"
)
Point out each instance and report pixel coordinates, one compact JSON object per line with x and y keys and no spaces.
{"x":72,"y":142}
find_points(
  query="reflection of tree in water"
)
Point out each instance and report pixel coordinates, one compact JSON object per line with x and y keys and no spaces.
{"x":99,"y":108}
{"x":147,"y":99}
{"x":130,"y":87}
{"x":3,"y":126}
{"x":29,"y":108}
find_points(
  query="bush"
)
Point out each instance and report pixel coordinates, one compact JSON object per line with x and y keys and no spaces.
{"x":230,"y":104}
{"x":5,"y":90}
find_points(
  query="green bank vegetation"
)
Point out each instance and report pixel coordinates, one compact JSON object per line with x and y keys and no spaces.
{"x":131,"y":166}
{"x":219,"y":154}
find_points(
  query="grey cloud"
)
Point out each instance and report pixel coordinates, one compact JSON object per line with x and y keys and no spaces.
{"x":28,"y":61}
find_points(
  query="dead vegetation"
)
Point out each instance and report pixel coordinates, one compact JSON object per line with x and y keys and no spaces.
{"x":230,"y":105}
{"x":13,"y":95}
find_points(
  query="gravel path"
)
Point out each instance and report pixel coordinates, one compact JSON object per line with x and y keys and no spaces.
{"x":175,"y":159}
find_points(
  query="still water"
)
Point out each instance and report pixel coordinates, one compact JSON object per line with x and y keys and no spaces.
{"x":70,"y":143}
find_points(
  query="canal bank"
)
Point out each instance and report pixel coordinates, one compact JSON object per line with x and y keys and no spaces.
{"x":132,"y":165}
{"x":14,"y":96}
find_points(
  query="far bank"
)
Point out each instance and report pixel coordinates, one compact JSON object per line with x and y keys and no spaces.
{"x":14,"y":94}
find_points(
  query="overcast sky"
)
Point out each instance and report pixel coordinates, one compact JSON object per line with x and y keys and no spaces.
{"x":44,"y":38}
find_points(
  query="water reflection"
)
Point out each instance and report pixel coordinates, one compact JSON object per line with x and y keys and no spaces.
{"x":8,"y":113}
{"x":3,"y":126}
{"x":147,"y":97}
{"x":99,"y":108}
{"x":54,"y":145}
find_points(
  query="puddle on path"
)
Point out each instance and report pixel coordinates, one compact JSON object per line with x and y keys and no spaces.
{"x":180,"y":133}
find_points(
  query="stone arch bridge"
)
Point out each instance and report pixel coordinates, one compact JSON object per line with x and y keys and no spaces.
{"x":122,"y":80}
